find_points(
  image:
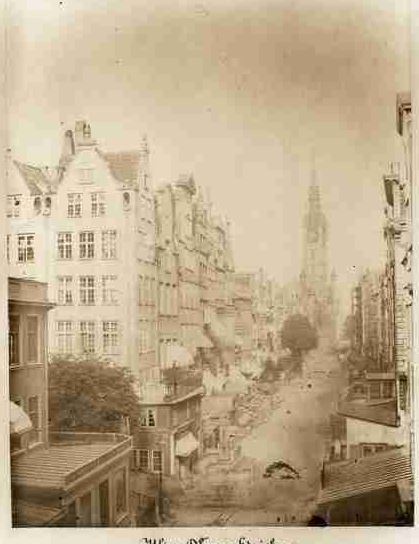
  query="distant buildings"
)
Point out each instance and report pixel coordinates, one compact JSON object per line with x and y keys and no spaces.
{"x":57,"y":479}
{"x":143,"y":277}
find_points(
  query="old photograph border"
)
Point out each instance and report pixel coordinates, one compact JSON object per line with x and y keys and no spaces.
{"x":242,"y":535}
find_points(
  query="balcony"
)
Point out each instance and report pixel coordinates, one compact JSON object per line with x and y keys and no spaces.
{"x":175,"y":384}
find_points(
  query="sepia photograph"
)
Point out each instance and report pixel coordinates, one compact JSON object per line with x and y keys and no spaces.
{"x":208,"y":263}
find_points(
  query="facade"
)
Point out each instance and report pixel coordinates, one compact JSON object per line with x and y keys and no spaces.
{"x":87,"y":229}
{"x":243,"y":296}
{"x":317,"y":282}
{"x":378,"y":406}
{"x":57,"y":479}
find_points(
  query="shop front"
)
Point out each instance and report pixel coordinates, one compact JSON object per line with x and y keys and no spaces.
{"x":186,"y":455}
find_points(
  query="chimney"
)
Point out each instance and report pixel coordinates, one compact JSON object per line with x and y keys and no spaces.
{"x":68,"y":146}
{"x":83,"y":134}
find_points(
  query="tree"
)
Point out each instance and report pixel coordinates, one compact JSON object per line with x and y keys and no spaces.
{"x":298,"y":335}
{"x":90,"y":395}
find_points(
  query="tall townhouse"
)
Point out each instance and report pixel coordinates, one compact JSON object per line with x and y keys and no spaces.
{"x":244,"y":318}
{"x":190,"y":307}
{"x":87,"y":229}
{"x":169,"y":440}
{"x":377,"y":445}
{"x":212,"y":238}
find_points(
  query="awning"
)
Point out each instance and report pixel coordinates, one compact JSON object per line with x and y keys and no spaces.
{"x":19,"y":420}
{"x":178,"y":355}
{"x":186,"y":445}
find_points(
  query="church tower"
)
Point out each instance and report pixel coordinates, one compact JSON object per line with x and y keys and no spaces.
{"x":315,"y":276}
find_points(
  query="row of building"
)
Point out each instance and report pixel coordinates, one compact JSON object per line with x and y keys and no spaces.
{"x":140,"y":276}
{"x":367,"y":478}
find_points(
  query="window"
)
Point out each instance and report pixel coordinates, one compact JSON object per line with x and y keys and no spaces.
{"x":37,"y":205}
{"x":98,"y":204}
{"x":14,"y":348}
{"x":367,"y":450}
{"x":33,"y":413}
{"x":110,"y":336}
{"x":32,"y":338}
{"x":8,"y":248}
{"x":47,"y":209}
{"x":109,"y":292}
{"x":74,"y":205}
{"x":126,"y":201}
{"x":13,"y":205}
{"x":25,"y":248}
{"x":65,"y":290}
{"x":157,"y":461}
{"x":65,"y":245}
{"x":109,"y":244}
{"x":87,"y":333}
{"x":148,"y":417}
{"x":388,"y":391}
{"x":375,"y":391}
{"x":143,"y":337}
{"x":85,"y":175}
{"x":143,"y":459}
{"x":121,"y":493}
{"x":64,"y":336}
{"x":87,"y":290}
{"x":87,"y":245}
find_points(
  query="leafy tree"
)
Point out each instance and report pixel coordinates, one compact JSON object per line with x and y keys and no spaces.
{"x":90,"y":395}
{"x":298,"y":335}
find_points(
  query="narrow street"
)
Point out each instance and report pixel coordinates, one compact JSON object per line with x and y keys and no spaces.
{"x":294,"y":434}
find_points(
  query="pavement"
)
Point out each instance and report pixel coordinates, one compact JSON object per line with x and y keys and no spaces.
{"x":291,"y":433}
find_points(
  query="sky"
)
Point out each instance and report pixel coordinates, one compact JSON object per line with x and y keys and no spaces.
{"x":243,"y":94}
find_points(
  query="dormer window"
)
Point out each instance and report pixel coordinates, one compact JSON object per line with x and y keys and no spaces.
{"x":126,"y":199}
{"x":13,"y":205}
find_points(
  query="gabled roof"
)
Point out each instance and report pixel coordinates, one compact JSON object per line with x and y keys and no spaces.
{"x":124,"y":165}
{"x":364,"y":475}
{"x":34,"y":177}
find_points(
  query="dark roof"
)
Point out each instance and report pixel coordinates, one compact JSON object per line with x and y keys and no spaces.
{"x":363,"y":475}
{"x":124,"y":165}
{"x":57,"y":466}
{"x":34,"y":177}
{"x":385,"y":414}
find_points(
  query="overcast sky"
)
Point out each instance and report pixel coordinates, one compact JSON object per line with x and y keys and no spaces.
{"x":240,"y":93}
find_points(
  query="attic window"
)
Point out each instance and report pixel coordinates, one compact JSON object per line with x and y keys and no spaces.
{"x":37,"y":205}
{"x":13,"y":205}
{"x":47,"y":209}
{"x":126,"y":200}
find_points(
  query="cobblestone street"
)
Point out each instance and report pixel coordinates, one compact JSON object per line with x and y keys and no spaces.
{"x":295,"y":431}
